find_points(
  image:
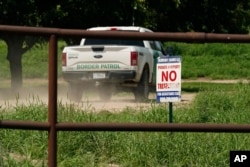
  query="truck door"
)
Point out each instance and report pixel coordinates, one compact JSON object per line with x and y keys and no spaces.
{"x":158,"y":51}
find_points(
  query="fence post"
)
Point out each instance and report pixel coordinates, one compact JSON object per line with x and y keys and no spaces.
{"x":52,"y":102}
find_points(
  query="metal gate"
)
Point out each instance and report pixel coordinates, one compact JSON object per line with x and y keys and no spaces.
{"x":53,"y":126}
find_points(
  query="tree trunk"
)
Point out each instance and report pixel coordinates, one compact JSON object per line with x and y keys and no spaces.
{"x":15,"y":61}
{"x":17,"y":46}
{"x":14,"y":56}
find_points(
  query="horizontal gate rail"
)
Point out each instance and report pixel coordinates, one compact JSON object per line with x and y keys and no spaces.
{"x":199,"y":37}
{"x":150,"y":127}
{"x":159,"y":127}
{"x":27,"y":125}
{"x":52,"y":126}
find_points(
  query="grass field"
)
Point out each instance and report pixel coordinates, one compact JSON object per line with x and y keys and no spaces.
{"x":214,"y":103}
{"x":214,"y":61}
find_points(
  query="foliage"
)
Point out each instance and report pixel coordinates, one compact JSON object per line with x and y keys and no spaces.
{"x":35,"y":61}
{"x":212,"y":105}
{"x":18,"y":13}
{"x":215,"y":61}
{"x":96,"y":13}
{"x":201,"y":16}
{"x":226,"y":16}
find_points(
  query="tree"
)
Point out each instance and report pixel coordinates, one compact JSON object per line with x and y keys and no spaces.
{"x":16,"y":13}
{"x":78,"y":14}
{"x":220,"y":16}
{"x":96,"y":13}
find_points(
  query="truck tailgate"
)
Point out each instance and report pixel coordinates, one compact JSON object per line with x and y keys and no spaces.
{"x":98,"y":58}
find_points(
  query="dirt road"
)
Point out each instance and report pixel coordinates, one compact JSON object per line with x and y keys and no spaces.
{"x":36,"y":91}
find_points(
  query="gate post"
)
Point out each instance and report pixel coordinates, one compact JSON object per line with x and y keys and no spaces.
{"x":52,"y":102}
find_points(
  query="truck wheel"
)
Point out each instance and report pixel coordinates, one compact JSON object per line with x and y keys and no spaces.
{"x":105,"y":91}
{"x":141,"y":92}
{"x":75,"y":91}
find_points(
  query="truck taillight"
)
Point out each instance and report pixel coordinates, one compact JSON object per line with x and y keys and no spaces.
{"x":113,"y":29}
{"x":133,"y":58}
{"x":64,"y":59}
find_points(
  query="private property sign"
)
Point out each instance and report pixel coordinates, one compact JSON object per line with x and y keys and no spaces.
{"x":168,"y":79}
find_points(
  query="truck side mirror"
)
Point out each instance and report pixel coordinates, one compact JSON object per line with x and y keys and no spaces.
{"x":169,"y":51}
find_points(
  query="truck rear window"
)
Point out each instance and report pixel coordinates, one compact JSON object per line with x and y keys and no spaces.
{"x":93,"y":41}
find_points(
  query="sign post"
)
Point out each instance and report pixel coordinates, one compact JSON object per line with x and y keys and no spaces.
{"x":168,"y":81}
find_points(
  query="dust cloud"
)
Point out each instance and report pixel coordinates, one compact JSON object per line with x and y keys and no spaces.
{"x":36,"y":92}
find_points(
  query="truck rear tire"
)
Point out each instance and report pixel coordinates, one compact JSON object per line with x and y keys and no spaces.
{"x":75,"y":92}
{"x":105,"y":91}
{"x":141,"y":92}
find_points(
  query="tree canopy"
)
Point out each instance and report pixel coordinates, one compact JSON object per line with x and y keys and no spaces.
{"x":221,"y":16}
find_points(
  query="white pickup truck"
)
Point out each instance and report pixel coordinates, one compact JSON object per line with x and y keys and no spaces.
{"x":111,"y":63}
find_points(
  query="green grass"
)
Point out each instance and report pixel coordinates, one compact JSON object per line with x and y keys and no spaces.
{"x":212,"y":105}
{"x":215,"y":61}
{"x":34,"y":61}
{"x":193,"y":87}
